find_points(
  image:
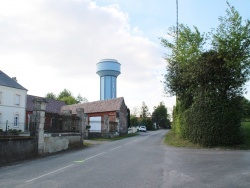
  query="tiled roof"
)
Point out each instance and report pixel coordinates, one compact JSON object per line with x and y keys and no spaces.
{"x":5,"y":80}
{"x":52,"y":106}
{"x":96,"y":106}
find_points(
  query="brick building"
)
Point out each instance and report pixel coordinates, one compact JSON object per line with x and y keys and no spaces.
{"x":104,"y":116}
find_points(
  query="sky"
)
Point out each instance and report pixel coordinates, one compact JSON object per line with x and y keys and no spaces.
{"x":51,"y":45}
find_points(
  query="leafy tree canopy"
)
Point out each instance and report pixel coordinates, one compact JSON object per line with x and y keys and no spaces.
{"x":67,"y":97}
{"x":51,"y":95}
{"x":144,"y":111}
{"x":133,"y":121}
{"x":160,"y":116}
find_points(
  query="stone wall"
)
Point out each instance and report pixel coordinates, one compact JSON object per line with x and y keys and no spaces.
{"x":14,"y":149}
{"x":55,"y":142}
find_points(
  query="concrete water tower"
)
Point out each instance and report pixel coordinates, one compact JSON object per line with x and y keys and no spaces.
{"x":108,"y":70}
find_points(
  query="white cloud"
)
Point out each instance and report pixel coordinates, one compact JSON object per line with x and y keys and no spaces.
{"x":51,"y":45}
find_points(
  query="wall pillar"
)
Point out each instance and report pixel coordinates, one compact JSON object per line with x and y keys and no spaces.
{"x":106,"y":123}
{"x":82,"y":120}
{"x":39,"y":115}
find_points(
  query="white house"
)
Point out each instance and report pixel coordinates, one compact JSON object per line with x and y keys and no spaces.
{"x":13,"y":98}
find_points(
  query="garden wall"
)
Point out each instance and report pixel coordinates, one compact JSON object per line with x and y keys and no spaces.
{"x":17,"y":148}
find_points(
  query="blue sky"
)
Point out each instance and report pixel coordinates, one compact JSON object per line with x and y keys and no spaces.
{"x":50,"y":45}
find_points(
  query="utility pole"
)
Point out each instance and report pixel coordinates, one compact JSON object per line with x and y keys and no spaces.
{"x":177,"y":23}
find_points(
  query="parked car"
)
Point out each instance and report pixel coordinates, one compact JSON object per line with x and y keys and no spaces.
{"x":143,"y":128}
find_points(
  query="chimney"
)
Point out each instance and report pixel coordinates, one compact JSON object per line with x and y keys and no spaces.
{"x":14,"y":78}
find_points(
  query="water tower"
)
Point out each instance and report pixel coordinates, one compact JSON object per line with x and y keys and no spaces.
{"x":108,"y":70}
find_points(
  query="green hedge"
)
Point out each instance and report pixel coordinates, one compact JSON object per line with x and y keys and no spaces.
{"x":210,"y":121}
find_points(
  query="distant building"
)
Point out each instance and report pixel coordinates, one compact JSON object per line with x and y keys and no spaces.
{"x":52,"y":111}
{"x":104,"y":116}
{"x":12,"y":103}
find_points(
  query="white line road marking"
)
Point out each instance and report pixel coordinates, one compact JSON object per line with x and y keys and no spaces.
{"x":94,"y":156}
{"x":48,"y":173}
{"x":61,"y":168}
{"x":115,"y":148}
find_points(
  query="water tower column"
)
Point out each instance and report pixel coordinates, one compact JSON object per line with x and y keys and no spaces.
{"x":108,"y":70}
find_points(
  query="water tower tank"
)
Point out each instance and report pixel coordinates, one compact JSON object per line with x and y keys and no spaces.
{"x":108,"y":70}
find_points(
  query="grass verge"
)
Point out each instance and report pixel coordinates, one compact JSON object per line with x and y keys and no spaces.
{"x":174,"y":140}
{"x":115,"y":138}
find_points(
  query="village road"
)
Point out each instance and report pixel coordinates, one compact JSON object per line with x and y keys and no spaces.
{"x":137,"y":162}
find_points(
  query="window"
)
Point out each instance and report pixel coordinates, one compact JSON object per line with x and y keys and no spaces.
{"x":17,"y":100}
{"x":16,"y":119}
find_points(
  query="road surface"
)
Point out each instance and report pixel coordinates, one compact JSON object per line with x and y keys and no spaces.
{"x":137,"y":162}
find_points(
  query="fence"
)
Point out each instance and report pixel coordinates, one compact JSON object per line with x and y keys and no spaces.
{"x":57,"y":124}
{"x":62,"y":124}
{"x":10,"y":128}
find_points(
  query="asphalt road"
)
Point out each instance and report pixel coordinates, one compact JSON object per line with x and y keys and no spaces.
{"x":141,"y":161}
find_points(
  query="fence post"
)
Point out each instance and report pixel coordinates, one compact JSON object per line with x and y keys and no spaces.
{"x":6,"y":129}
{"x":39,"y":113}
{"x":80,"y":114}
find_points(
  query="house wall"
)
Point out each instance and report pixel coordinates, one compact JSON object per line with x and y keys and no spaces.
{"x":121,"y":117}
{"x":123,"y":121}
{"x":9,"y":109}
{"x":111,"y":115}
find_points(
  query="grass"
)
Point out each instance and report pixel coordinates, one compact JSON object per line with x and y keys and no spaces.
{"x":115,"y":138}
{"x":173,"y":140}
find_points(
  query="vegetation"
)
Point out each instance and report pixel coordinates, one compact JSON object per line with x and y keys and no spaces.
{"x":115,"y":138}
{"x":145,"y":119}
{"x":160,"y":116}
{"x":133,"y":121}
{"x":246,"y":132}
{"x":173,"y":139}
{"x":67,"y":97}
{"x":209,"y":83}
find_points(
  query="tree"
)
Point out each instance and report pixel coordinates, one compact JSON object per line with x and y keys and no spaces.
{"x":209,"y":83}
{"x":81,"y":99}
{"x":67,"y":97}
{"x":50,"y":95}
{"x":145,"y":117}
{"x":133,"y":121}
{"x":69,"y":100}
{"x":144,"y":111}
{"x":245,"y":108}
{"x":160,"y":116}
{"x":63,"y":94}
{"x":135,"y":111}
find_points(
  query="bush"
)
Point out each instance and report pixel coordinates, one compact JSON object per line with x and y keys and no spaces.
{"x":13,"y":132}
{"x":212,"y":121}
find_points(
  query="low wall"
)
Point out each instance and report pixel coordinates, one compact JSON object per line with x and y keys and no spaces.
{"x":17,"y":148}
{"x":54,"y":142}
{"x":102,"y":135}
{"x":133,"y":130}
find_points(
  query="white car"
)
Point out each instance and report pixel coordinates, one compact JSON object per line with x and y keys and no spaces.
{"x":143,"y":128}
